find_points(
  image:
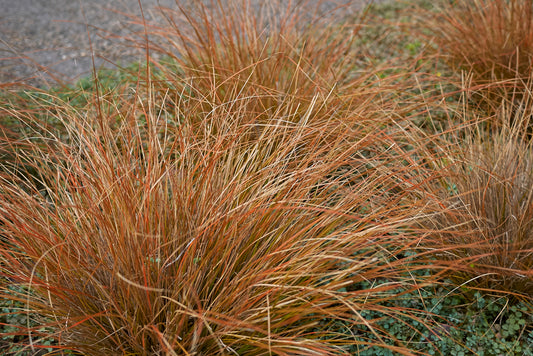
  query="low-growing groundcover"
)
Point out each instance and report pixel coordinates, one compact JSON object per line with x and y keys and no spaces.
{"x":468,"y":323}
{"x":265,"y":188}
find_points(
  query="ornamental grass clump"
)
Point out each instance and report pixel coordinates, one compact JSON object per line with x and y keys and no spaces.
{"x":273,"y":53}
{"x":484,"y":217}
{"x":233,"y":201}
{"x":244,"y":195}
{"x":152,"y":238}
{"x":492,"y":40}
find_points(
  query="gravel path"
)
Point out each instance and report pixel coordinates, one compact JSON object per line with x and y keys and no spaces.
{"x":52,"y":34}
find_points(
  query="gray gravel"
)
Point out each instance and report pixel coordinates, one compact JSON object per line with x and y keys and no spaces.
{"x":53,"y":34}
{"x":43,"y":39}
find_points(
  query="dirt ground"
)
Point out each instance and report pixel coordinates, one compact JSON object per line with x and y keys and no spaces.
{"x":44,"y":39}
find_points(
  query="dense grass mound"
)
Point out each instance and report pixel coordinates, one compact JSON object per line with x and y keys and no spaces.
{"x":484,"y":205}
{"x":491,"y":41}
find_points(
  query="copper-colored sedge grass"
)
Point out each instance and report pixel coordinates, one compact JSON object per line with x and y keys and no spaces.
{"x":483,"y":200}
{"x":232,"y":48}
{"x":229,"y":207}
{"x":151,"y":237}
{"x":490,"y":39}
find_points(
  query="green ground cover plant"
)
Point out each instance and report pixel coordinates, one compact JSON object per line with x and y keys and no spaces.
{"x":286,"y":184}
